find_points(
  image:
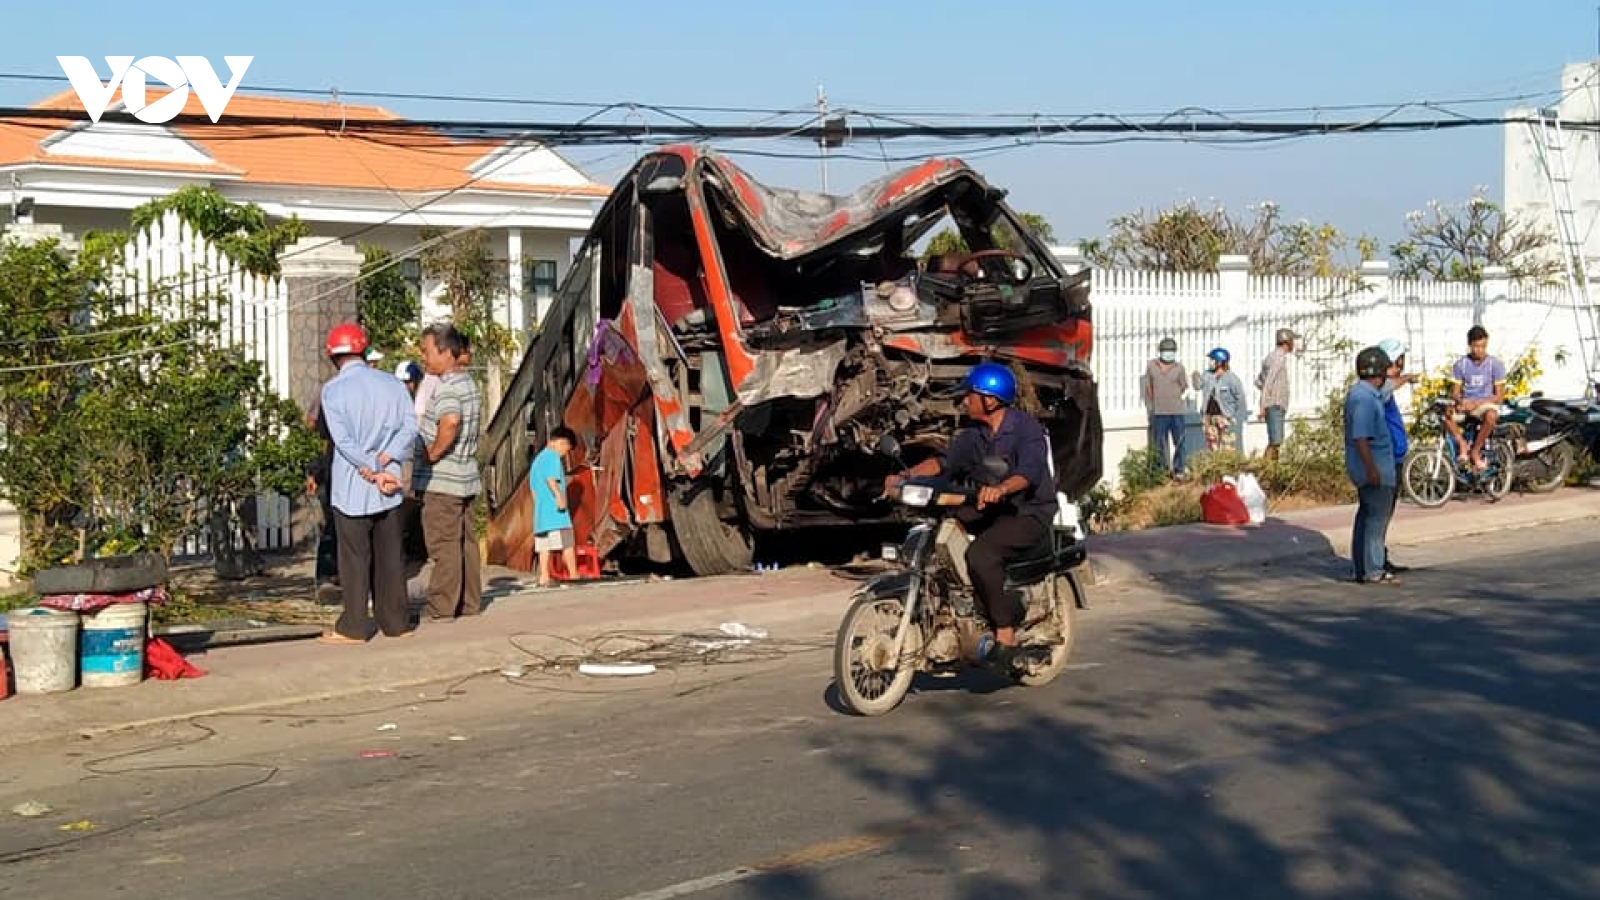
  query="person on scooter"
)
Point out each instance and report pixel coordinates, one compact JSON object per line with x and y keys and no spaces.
{"x":1011,"y":517}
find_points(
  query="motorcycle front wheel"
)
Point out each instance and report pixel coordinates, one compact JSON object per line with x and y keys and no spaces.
{"x":869,"y":679}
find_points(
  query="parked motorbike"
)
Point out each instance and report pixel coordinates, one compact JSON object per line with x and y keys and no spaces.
{"x":920,"y":616}
{"x":1545,"y":435}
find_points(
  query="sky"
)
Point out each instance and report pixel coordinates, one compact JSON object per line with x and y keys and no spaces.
{"x":1055,"y":58}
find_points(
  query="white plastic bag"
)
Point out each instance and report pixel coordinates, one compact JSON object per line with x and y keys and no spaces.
{"x":1255,"y":499}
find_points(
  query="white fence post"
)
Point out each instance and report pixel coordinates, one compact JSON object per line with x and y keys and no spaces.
{"x":1234,"y":274}
{"x":168,"y":265}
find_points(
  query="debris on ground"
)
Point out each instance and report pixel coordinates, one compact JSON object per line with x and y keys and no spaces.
{"x":622,"y":669}
{"x":741,"y":630}
{"x":80,"y":825}
{"x":32,"y":809}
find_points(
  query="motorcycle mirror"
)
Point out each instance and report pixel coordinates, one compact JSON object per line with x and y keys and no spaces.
{"x":888,"y":446}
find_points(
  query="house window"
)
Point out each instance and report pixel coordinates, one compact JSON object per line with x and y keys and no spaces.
{"x":411,"y":271}
{"x":538,"y":288}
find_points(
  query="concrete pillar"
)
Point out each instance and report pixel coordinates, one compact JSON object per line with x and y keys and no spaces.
{"x":1385,"y":314}
{"x":320,"y":276}
{"x":516,"y":318}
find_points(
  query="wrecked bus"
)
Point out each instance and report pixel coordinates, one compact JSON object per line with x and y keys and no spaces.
{"x":730,"y":353}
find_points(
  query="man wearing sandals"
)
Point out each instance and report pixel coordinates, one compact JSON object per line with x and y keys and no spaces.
{"x":1369,"y":461}
{"x":1478,"y":386}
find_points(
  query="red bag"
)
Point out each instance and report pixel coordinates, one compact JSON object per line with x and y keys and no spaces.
{"x":163,"y":663}
{"x":1222,"y":505}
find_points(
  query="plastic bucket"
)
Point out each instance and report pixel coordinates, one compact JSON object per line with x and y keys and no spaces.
{"x":112,"y":648}
{"x":44,"y":649}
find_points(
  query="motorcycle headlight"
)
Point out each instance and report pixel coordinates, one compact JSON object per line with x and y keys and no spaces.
{"x":916,"y":495}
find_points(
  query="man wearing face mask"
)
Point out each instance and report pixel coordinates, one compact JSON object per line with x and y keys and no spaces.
{"x":1222,"y":403}
{"x":1164,"y":385}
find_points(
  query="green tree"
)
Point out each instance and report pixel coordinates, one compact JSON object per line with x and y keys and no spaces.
{"x":123,"y":429}
{"x":1456,"y":243}
{"x":388,"y":307}
{"x":1191,"y":238}
{"x":240,"y":230}
{"x":471,"y":278}
{"x":950,"y":242}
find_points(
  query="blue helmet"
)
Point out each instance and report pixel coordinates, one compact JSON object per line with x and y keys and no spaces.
{"x":992,"y":380}
{"x":1219,"y":355}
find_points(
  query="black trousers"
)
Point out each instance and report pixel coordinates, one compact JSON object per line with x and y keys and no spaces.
{"x":327,"y":540}
{"x":372,"y":562}
{"x":999,"y":538}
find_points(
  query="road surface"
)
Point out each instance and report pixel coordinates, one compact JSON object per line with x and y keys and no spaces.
{"x":1273,"y":734}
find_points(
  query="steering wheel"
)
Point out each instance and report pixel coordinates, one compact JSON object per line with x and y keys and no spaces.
{"x":1002,"y":266}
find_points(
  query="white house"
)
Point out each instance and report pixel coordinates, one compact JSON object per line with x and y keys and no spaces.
{"x":79,"y":175}
{"x":1527,"y":189}
{"x":373,"y":189}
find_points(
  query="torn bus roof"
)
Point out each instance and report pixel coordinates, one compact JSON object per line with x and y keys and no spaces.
{"x":788,"y":224}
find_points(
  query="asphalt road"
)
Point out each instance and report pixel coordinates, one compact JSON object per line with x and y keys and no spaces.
{"x":1270,"y":734}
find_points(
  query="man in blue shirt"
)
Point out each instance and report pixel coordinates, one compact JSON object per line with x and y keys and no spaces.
{"x":1397,"y":378}
{"x":1369,"y":461}
{"x":373,"y":424}
{"x":1011,"y":517}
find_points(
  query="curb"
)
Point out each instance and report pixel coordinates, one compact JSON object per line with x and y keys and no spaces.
{"x":1267,"y":553}
{"x":447,"y":675}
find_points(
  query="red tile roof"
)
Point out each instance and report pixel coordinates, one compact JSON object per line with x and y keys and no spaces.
{"x":290,"y":154}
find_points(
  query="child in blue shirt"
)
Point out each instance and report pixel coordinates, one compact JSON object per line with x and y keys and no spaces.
{"x":552,"y":521}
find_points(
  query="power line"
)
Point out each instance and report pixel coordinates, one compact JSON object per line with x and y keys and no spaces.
{"x":874,"y":110}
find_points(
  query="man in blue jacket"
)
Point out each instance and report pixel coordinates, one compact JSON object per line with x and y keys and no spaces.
{"x":1396,"y":351}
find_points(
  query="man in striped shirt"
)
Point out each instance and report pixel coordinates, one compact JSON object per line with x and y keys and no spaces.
{"x":446,"y":475}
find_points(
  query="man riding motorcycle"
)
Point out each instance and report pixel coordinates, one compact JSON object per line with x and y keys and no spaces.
{"x":1011,"y":517}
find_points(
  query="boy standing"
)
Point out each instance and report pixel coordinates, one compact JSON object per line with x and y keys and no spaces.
{"x":552,"y":522}
{"x":1369,"y":462}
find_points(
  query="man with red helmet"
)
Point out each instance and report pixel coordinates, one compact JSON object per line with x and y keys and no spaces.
{"x":372,"y":424}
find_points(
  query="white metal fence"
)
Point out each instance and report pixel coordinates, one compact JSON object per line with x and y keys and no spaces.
{"x":1235,"y":309}
{"x":167,"y":266}
{"x":1134,"y":309}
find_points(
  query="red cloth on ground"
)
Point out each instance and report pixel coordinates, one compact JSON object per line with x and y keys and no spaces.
{"x":163,"y":663}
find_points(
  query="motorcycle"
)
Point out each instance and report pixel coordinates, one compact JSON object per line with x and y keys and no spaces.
{"x":1545,"y":435}
{"x":921,"y":615}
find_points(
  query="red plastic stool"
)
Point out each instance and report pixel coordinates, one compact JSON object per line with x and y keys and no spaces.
{"x":588,"y":564}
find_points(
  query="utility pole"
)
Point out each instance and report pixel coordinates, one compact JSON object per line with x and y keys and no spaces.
{"x":822,"y":122}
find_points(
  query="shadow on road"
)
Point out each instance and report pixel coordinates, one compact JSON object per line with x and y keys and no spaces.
{"x":1332,"y":743}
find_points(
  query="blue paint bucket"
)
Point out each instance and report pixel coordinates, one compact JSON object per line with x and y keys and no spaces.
{"x":111,"y":648}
